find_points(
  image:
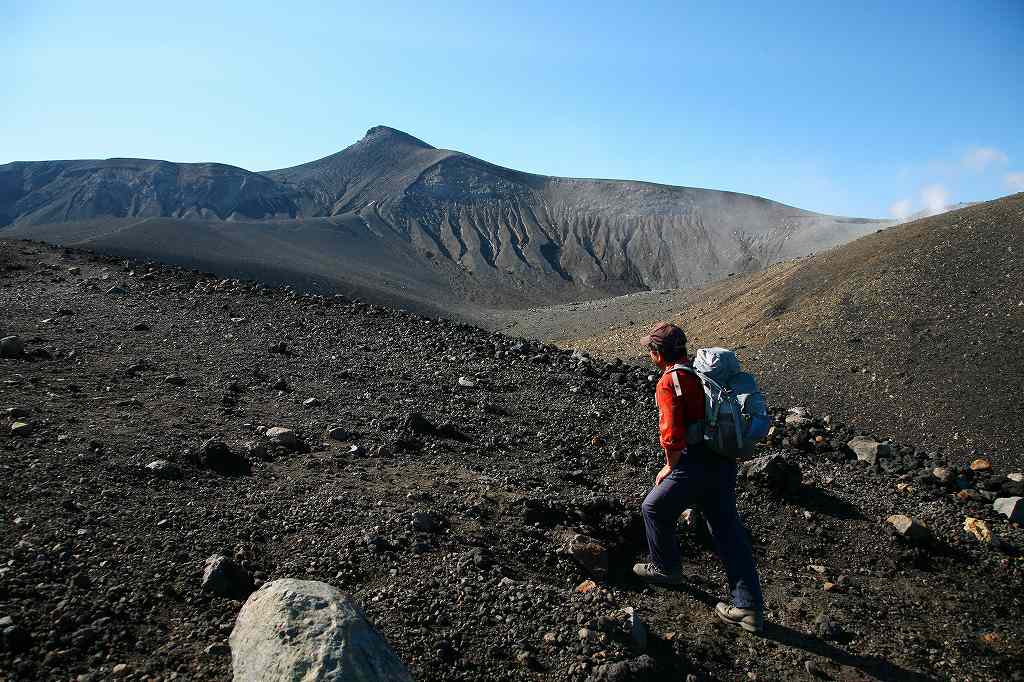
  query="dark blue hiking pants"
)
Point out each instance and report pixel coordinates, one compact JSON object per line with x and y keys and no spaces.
{"x":707,"y":482}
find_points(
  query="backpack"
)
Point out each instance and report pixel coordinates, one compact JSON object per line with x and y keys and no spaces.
{"x":735,"y":413}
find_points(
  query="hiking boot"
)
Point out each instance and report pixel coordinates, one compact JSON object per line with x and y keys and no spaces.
{"x":653,"y":574}
{"x":751,"y":620}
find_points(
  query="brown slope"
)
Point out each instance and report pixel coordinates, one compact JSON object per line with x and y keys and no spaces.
{"x":916,"y":331}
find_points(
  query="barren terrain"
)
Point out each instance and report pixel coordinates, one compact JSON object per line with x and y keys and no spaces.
{"x":436,"y":472}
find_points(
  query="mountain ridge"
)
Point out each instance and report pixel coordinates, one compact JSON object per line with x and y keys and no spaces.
{"x":498,"y":236}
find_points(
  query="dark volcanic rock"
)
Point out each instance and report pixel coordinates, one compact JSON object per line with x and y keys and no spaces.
{"x":217,"y":455}
{"x":773,"y":471}
{"x":11,"y":347}
{"x":223,"y":577}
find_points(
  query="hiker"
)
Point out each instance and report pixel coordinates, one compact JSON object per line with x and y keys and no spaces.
{"x":694,"y":476}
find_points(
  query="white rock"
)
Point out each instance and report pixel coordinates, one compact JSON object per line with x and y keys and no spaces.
{"x":798,"y":420}
{"x":162,"y":468}
{"x":867,"y":450}
{"x":1010,"y":507}
{"x":466,"y":382}
{"x":308,"y":630}
{"x":282,"y":436}
{"x":1016,"y":477}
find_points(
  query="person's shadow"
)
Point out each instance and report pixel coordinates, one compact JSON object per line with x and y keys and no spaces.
{"x":870,"y":665}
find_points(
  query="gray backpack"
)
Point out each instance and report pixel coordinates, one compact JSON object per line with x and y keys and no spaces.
{"x":735,"y":413}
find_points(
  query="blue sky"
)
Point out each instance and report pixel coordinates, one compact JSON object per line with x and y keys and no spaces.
{"x":868,"y":110}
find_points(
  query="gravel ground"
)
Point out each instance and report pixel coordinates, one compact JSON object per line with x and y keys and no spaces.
{"x":447,"y":526}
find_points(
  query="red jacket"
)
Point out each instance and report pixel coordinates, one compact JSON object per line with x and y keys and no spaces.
{"x":680,"y":398}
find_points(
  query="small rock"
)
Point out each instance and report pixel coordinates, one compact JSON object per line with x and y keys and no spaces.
{"x":426,"y":522}
{"x":218,"y":650}
{"x":120,"y":669}
{"x":773,"y":471}
{"x":419,"y":424}
{"x":223,"y":577}
{"x":22,"y":428}
{"x":586,"y":586}
{"x":867,"y":450}
{"x":589,"y":554}
{"x":74,"y":270}
{"x":981,"y":465}
{"x":944,"y":475}
{"x":15,"y":639}
{"x":162,"y":468}
{"x":1010,"y":507}
{"x":282,"y":436}
{"x":310,"y":402}
{"x":338,"y":433}
{"x":798,"y":421}
{"x":1016,"y":477}
{"x":466,"y":382}
{"x":640,"y":669}
{"x":11,"y":347}
{"x":978,"y":529}
{"x":637,"y":629}
{"x":116,"y":291}
{"x":174,"y":380}
{"x":18,"y":412}
{"x":219,"y":457}
{"x":910,"y":529}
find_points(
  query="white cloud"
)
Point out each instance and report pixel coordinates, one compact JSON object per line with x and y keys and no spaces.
{"x":1015,"y":181}
{"x":902,"y":209}
{"x":935,"y":198}
{"x":978,"y":159}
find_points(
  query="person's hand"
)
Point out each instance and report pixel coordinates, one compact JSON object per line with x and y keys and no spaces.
{"x":665,"y":471}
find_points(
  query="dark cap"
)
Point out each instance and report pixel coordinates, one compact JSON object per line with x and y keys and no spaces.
{"x":664,"y":335}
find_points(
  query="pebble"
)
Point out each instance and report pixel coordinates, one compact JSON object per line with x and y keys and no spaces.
{"x":162,"y":468}
{"x":978,"y":529}
{"x":22,"y":428}
{"x":909,"y":528}
{"x":466,"y":382}
{"x":11,"y":347}
{"x":282,"y":436}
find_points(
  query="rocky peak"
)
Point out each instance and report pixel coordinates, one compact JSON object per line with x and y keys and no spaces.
{"x":386,"y":134}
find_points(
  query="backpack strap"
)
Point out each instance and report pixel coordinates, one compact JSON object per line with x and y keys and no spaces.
{"x":695,"y":432}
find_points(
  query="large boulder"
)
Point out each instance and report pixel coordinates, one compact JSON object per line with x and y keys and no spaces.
{"x":308,"y":630}
{"x":774,"y":472}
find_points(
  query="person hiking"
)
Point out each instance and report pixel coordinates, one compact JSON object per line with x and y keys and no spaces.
{"x":693,"y":476}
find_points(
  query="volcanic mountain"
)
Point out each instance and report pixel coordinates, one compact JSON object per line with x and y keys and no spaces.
{"x":398,"y":220}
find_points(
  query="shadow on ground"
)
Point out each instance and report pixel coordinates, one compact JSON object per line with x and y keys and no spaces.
{"x":873,"y":666}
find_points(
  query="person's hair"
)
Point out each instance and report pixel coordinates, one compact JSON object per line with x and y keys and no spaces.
{"x":672,"y":353}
